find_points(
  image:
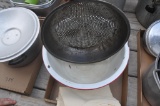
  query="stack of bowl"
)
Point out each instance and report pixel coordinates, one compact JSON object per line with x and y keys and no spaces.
{"x":85,"y":43}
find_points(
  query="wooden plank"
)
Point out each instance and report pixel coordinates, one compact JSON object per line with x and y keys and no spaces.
{"x":130,"y":5}
{"x":133,"y":40}
{"x":23,"y":100}
{"x":132,"y":91}
{"x":134,"y":23}
{"x":132,"y":69}
{"x":131,"y":17}
{"x":42,"y":79}
{"x":37,"y":93}
{"x":136,"y":26}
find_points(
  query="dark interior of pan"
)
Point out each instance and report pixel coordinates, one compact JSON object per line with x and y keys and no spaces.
{"x":85,"y":31}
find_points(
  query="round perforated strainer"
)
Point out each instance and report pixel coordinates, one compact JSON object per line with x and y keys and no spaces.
{"x":85,"y":31}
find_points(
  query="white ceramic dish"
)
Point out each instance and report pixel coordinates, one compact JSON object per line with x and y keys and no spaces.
{"x":87,"y":76}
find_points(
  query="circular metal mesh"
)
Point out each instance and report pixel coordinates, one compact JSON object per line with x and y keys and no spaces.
{"x":83,"y":25}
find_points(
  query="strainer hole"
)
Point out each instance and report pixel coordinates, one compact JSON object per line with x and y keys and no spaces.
{"x":49,"y":66}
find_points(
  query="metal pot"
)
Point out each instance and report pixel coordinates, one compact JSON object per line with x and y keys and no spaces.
{"x":42,"y":9}
{"x":151,"y":39}
{"x":148,"y":11}
{"x":151,"y":83}
{"x":19,"y":36}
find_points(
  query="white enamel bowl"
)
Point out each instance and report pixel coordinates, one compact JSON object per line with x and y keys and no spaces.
{"x":87,"y":76}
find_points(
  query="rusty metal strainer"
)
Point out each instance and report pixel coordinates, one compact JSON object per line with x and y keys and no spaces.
{"x":85,"y":31}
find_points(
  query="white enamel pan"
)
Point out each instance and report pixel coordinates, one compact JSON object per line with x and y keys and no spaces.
{"x":87,"y":76}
